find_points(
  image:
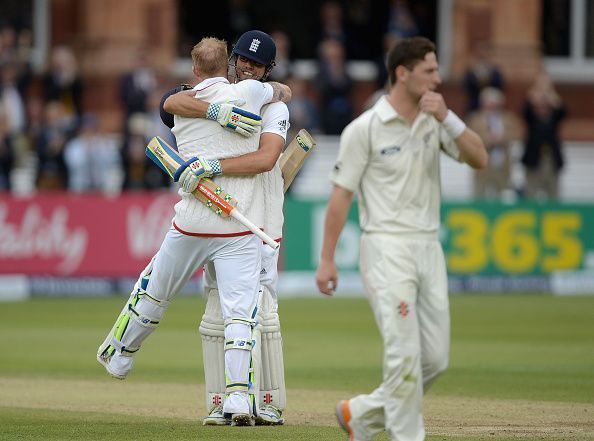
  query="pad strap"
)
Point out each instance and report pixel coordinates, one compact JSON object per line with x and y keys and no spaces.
{"x":119,"y":347}
{"x":239,"y":343}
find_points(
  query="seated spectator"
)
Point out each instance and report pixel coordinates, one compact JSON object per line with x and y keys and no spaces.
{"x":497,"y":127}
{"x":93,"y":160}
{"x":334,"y":87}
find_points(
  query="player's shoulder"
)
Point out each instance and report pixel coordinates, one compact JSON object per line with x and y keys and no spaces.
{"x":274,"y":110}
{"x":251,"y":85}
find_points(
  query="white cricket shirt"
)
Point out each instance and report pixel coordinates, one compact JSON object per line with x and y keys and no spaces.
{"x":275,"y":119}
{"x":394,"y":169}
{"x":197,"y":136}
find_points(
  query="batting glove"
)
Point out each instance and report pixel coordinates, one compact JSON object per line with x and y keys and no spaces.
{"x":189,"y":174}
{"x":235,"y":118}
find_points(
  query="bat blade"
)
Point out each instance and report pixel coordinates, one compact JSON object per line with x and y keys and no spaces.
{"x":295,"y":155}
{"x":164,"y":156}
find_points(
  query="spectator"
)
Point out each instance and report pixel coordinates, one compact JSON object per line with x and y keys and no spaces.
{"x":153,"y":124}
{"x":11,"y":100}
{"x":401,"y":23}
{"x":332,"y":24}
{"x":481,"y":73}
{"x":52,"y":173}
{"x":543,"y":157}
{"x":497,"y":127}
{"x":283,"y":63}
{"x":302,"y":109}
{"x":136,"y":86}
{"x":334,"y":86}
{"x":63,"y":83}
{"x":15,"y":50}
{"x":93,"y":160}
{"x":6,"y":154}
{"x":139,"y":171}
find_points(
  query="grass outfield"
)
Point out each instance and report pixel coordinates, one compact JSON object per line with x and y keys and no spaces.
{"x":522,"y":367}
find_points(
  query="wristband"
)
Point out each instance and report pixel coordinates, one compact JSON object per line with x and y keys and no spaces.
{"x":213,"y":111}
{"x":215,"y":165}
{"x":453,"y":125}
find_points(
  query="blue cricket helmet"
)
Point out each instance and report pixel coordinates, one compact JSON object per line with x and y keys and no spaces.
{"x":257,"y":46}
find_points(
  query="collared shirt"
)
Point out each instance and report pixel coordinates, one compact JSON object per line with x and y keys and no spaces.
{"x":394,"y":169}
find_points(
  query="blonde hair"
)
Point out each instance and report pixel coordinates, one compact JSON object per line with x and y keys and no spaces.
{"x":209,"y":57}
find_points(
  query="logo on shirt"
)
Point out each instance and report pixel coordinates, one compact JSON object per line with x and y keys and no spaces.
{"x":255,"y":44}
{"x":282,"y":125}
{"x":337,"y":166}
{"x":390,"y":150}
{"x":403,"y":309}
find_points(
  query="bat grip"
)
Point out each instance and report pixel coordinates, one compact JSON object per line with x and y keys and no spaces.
{"x":254,"y":229}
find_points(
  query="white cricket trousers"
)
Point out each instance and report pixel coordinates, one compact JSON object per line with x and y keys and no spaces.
{"x":406,"y":284}
{"x":237,"y":261}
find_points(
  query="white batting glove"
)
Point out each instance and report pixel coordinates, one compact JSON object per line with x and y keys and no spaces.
{"x":235,"y":118}
{"x":196,"y":168}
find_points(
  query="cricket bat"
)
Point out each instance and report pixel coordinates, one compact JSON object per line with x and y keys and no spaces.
{"x":295,"y":155}
{"x":207,"y":192}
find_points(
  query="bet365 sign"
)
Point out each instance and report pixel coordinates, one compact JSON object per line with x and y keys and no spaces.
{"x":478,"y":238}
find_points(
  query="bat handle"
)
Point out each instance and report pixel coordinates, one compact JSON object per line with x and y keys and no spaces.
{"x":254,"y":229}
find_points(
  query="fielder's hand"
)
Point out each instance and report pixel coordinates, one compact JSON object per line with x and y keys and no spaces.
{"x":235,"y":118}
{"x":327,"y":277}
{"x":196,"y":168}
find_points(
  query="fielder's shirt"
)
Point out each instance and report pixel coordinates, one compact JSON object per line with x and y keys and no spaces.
{"x":394,"y":169}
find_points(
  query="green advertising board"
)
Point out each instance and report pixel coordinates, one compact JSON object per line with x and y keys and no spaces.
{"x":491,"y":241}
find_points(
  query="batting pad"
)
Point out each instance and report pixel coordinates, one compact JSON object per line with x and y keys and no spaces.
{"x":138,"y":319}
{"x":212,"y":331}
{"x":272,"y":373}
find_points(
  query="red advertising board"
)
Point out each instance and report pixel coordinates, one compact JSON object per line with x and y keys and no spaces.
{"x":82,"y":235}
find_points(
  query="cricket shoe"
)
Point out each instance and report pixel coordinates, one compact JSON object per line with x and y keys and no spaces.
{"x":216,"y":417}
{"x":343,"y":414}
{"x":269,"y":415}
{"x":237,"y":408}
{"x":117,"y":367}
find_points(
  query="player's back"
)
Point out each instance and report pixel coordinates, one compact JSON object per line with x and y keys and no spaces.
{"x":201,"y":137}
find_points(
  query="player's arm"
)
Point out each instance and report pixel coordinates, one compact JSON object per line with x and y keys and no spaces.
{"x":184,"y":104}
{"x":471,"y":146}
{"x":280,"y":92}
{"x":262,"y":160}
{"x":336,"y":215}
{"x":228,"y":115}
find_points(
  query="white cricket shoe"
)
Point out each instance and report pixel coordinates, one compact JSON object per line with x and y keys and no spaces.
{"x":237,"y":405}
{"x":269,"y":415}
{"x":216,"y":417}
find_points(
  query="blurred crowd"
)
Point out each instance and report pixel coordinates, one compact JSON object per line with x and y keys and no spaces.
{"x":51,"y":135}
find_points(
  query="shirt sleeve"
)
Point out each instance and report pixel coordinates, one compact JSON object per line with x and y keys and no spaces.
{"x":448,"y":145}
{"x":258,"y":93}
{"x":353,"y":157}
{"x":275,"y":119}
